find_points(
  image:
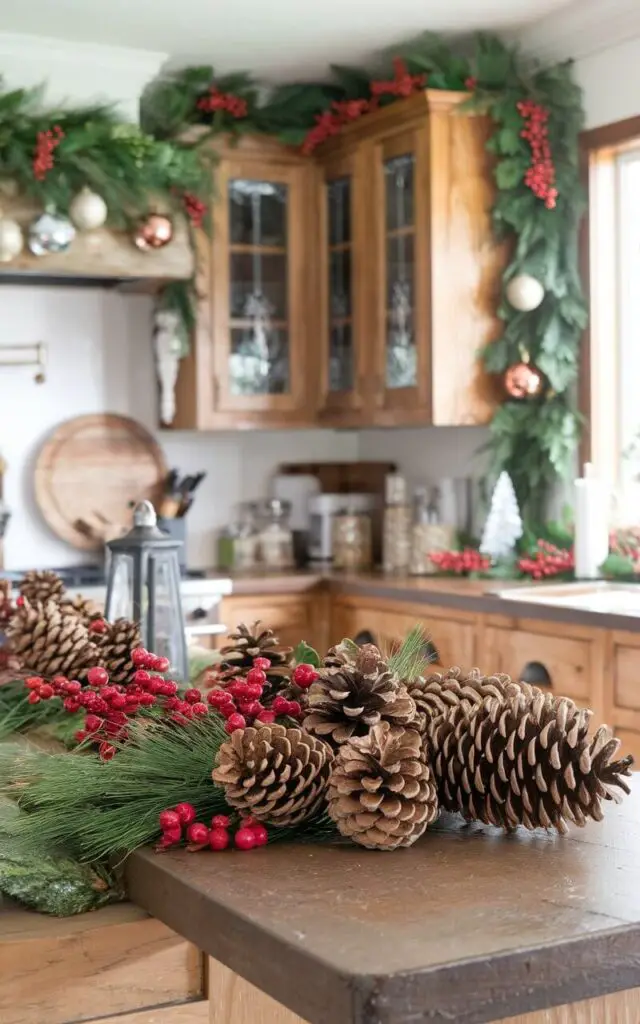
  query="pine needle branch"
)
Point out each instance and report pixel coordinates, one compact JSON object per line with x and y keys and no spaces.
{"x":414,"y":655}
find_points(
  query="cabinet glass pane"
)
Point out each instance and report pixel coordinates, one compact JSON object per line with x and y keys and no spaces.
{"x":259,"y":361}
{"x":340,"y":283}
{"x":340,"y":358}
{"x":339,"y":204}
{"x":252,"y":277}
{"x":257,"y":213}
{"x":401,"y":357}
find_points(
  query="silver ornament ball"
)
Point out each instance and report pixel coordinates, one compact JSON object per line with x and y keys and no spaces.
{"x":524,"y":293}
{"x":50,"y":233}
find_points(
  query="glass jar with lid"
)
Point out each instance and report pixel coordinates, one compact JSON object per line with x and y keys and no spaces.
{"x":396,"y":531}
{"x":238,"y":542}
{"x":351,"y":538}
{"x":427,"y":533}
{"x":276,"y":535}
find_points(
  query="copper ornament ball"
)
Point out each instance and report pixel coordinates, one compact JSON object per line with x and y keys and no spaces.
{"x":154,"y":233}
{"x":523,"y":381}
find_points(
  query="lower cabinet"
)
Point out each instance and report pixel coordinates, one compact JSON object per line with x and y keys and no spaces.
{"x":623,"y":674}
{"x":292,"y":617}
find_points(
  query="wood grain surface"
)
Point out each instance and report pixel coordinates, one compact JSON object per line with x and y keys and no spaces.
{"x":187,"y":1013}
{"x":105,"y":963}
{"x":468,"y":925}
{"x":89,"y":469}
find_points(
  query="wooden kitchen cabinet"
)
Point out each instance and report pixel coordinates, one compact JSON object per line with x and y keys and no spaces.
{"x":251,"y":357}
{"x":292,"y":617}
{"x":410,"y":269}
{"x":623,"y":670}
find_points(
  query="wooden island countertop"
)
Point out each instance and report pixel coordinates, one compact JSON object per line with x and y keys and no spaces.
{"x":469,"y":925}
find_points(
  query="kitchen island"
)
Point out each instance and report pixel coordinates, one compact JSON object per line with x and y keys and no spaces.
{"x":469,"y":925}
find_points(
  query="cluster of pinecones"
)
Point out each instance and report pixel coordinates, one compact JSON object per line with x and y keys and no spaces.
{"x":52,"y":633}
{"x":383,"y":755}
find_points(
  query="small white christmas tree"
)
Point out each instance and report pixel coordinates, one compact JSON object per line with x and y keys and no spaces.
{"x":504,"y":524}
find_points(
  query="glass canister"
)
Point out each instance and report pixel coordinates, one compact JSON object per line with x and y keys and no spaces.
{"x":396,"y":531}
{"x":351,"y":539}
{"x":238,"y":542}
{"x":427,"y":533}
{"x":276,"y":535}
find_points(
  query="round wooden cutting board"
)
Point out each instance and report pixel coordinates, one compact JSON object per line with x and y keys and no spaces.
{"x":89,"y":470}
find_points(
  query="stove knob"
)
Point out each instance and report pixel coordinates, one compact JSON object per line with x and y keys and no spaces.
{"x":198,"y":613}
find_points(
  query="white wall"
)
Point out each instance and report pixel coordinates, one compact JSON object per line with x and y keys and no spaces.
{"x":610,"y":79}
{"x":100,"y":360}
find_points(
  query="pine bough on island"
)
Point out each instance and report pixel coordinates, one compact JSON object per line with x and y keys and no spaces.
{"x":275,"y":745}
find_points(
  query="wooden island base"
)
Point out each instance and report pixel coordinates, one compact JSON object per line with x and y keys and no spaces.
{"x":232,"y":1000}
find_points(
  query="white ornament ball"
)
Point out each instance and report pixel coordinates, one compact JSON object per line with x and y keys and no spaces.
{"x":524,"y":293}
{"x":11,"y":239}
{"x":88,"y":210}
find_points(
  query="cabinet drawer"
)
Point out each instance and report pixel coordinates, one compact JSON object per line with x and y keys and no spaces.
{"x":561,"y":663}
{"x":630,"y":743}
{"x":626,"y":676}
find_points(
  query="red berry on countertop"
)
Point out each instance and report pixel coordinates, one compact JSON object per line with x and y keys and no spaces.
{"x":295,"y":709}
{"x":160,"y":664}
{"x":80,"y":736}
{"x":256,"y":677}
{"x":97,"y":676}
{"x":266,"y":716}
{"x":106,"y":751}
{"x":280,"y":705}
{"x":72,"y":686}
{"x":304,"y":675}
{"x":250,"y":708}
{"x":199,"y":708}
{"x":168,"y":688}
{"x":20,"y":602}
{"x":260,"y":835}
{"x":192,"y":696}
{"x":220,"y":821}
{"x":46,"y":691}
{"x":98,"y":626}
{"x":34,"y":682}
{"x":244,"y":839}
{"x":235,"y":721}
{"x":218,"y":839}
{"x":171,"y":836}
{"x":198,"y":833}
{"x":262,"y":663}
{"x":186,"y":813}
{"x":227,"y":710}
{"x":140,"y":657}
{"x":219,"y":698}
{"x":248,"y":822}
{"x":92,"y":723}
{"x":33,"y":698}
{"x":141,"y":677}
{"x":169,"y":819}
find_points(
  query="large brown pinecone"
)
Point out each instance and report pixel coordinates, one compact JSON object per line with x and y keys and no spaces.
{"x":349,"y":700}
{"x":247,"y":643}
{"x":525,"y":760}
{"x":435,"y":694}
{"x":382,"y":793}
{"x":85,"y":609}
{"x":115,"y":645}
{"x":50,"y":643}
{"x":277,"y":775}
{"x":41,"y":586}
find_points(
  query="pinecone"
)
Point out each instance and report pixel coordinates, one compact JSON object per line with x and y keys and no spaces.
{"x":381,"y":790}
{"x":115,"y":645}
{"x":277,"y":775}
{"x":435,"y":694}
{"x":50,"y":643}
{"x":345,"y":653}
{"x":350,"y":700}
{"x":85,"y":609}
{"x":249,"y":642}
{"x":39,"y":587}
{"x":525,"y":760}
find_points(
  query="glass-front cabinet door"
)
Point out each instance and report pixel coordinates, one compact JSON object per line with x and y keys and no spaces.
{"x":341,"y":225}
{"x":401,"y":227}
{"x":258,"y":287}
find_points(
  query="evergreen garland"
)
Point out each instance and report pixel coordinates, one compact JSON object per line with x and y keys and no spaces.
{"x":130,"y":167}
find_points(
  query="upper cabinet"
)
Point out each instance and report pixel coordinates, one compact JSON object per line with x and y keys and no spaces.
{"x":250,"y":361}
{"x":354,"y":289}
{"x":424,"y":268}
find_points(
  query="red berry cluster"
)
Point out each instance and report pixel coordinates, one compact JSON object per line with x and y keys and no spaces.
{"x":460,"y":563}
{"x":548,"y":560}
{"x":194,"y":208}
{"x":470,"y":83}
{"x":540,"y":176}
{"x":45,"y":146}
{"x":179,"y":822}
{"x":626,"y":542}
{"x":402,"y":84}
{"x":239,"y":701}
{"x":331,"y":121}
{"x":217,"y":100}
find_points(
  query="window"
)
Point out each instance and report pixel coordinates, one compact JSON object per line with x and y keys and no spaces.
{"x":614,"y":285}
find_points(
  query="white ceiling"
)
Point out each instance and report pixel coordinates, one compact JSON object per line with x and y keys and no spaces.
{"x":276,"y":39}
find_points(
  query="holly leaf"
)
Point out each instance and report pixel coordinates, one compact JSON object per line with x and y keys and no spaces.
{"x":509,"y":141}
{"x":306,"y":654}
{"x":509,"y":172}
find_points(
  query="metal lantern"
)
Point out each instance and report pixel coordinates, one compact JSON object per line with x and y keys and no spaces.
{"x":144,"y":585}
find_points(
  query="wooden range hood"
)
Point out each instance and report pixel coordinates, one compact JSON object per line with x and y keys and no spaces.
{"x":101,"y":257}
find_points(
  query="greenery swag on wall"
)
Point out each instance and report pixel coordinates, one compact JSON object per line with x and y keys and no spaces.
{"x":537,"y":207}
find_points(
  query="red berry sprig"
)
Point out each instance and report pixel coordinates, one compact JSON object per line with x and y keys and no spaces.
{"x":540,"y":176}
{"x":195,"y":209}
{"x":46,"y":143}
{"x":179,"y":823}
{"x":239,"y":702}
{"x":402,"y":84}
{"x":460,"y":563}
{"x":547,"y":561}
{"x":304,"y":675}
{"x":226,"y":101}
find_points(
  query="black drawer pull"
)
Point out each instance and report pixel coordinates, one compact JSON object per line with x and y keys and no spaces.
{"x":365,"y":636}
{"x":536,"y":674}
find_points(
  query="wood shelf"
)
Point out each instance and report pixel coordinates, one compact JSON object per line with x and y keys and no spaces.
{"x":263,"y":250}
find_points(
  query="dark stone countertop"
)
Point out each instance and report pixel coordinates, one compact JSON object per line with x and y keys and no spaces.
{"x":469,"y":925}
